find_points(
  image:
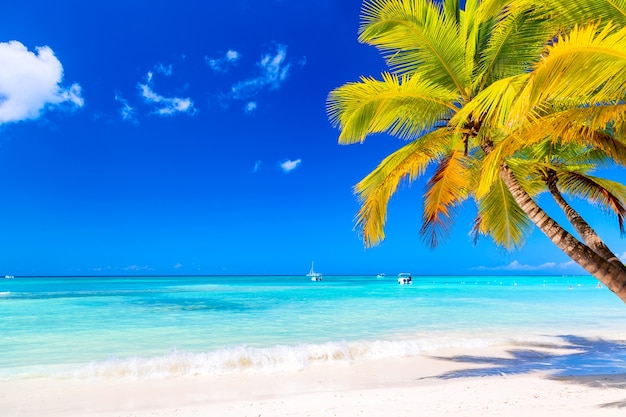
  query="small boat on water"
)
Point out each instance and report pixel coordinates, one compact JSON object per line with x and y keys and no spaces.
{"x":405,"y":278}
{"x":381,"y":275}
{"x":315,"y":276}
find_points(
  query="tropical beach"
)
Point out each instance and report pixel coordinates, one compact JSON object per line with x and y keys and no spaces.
{"x":382,"y":388}
{"x":284,"y":345}
{"x":170,"y":172}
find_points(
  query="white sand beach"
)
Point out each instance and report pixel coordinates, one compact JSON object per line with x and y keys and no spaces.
{"x":495,"y":381}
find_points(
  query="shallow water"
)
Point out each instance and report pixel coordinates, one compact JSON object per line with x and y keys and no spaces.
{"x":161,"y":326}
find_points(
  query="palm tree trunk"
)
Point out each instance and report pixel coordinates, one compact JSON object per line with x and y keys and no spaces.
{"x":607,"y":273}
{"x":586,"y":232}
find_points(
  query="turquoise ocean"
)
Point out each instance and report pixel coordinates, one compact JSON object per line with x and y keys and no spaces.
{"x":155,"y":327}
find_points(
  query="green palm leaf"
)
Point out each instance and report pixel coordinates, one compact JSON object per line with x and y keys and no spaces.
{"x":586,"y":64}
{"x":517,"y":37}
{"x":571,"y":12}
{"x":401,"y":106}
{"x":492,"y":105}
{"x":501,"y":217}
{"x":415,"y":36}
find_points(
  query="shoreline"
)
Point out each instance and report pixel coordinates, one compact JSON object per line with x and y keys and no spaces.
{"x":586,"y":377}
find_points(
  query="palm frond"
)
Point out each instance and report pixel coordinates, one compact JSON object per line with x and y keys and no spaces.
{"x":526,"y":171}
{"x":416,"y":36}
{"x":452,"y":10}
{"x":491,"y":106}
{"x":586,"y":65}
{"x":501,"y":217}
{"x":469,"y":33}
{"x":403,"y":106}
{"x":493,"y":161}
{"x":590,"y":126}
{"x":517,"y":38}
{"x":404,"y":165}
{"x":445,"y":190}
{"x":606,"y":194}
{"x":571,"y":12}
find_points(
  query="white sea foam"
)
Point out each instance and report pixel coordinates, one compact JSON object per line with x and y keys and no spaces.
{"x":278,"y":358}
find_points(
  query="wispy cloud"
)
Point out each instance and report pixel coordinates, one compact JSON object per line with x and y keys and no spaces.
{"x":165,"y":106}
{"x":273,"y":71}
{"x":178,"y":265}
{"x":136,"y":268}
{"x":30,"y":83}
{"x":289,"y":165}
{"x":163,"y":69}
{"x":223,"y":63}
{"x":126,"y":111}
{"x":257,"y":167}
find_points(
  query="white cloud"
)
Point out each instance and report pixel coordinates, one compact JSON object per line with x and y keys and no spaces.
{"x":29,"y":83}
{"x":273,"y":67}
{"x":257,"y":166}
{"x":222,"y":64}
{"x":250,"y":107}
{"x":569,"y":264}
{"x":289,"y":165}
{"x":165,"y":106}
{"x":517,"y":266}
{"x":136,"y":268}
{"x":165,"y":70}
{"x":178,"y":265}
{"x":127,"y":111}
{"x":232,"y":56}
{"x":274,"y":70}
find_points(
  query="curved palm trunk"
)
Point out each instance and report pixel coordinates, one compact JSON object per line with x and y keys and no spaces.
{"x":606,"y":272}
{"x":585,"y":231}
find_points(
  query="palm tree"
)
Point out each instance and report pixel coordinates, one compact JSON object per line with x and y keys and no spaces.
{"x":552,"y":166}
{"x":460,"y":91}
{"x":574,"y":94}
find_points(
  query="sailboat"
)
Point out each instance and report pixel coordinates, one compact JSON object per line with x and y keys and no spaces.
{"x":315,"y":276}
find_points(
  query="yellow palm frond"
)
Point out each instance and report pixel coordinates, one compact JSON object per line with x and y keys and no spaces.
{"x":501,"y":217}
{"x":405,"y":164}
{"x":587,"y":64}
{"x":493,"y":161}
{"x":585,"y":126}
{"x":446,"y":189}
{"x":517,"y":37}
{"x":416,"y":36}
{"x":571,"y":12}
{"x":525,"y":170}
{"x":605,"y":194}
{"x":491,"y":106}
{"x":401,"y":106}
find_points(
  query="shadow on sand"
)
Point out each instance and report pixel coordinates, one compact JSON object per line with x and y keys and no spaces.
{"x":575,"y":359}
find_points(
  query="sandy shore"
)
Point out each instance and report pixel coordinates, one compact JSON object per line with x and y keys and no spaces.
{"x":496,"y":381}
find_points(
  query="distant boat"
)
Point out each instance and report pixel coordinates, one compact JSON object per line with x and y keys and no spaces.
{"x":405,"y":278}
{"x":381,"y":275}
{"x":315,"y":276}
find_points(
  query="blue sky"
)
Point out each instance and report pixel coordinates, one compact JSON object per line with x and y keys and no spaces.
{"x":152,"y":137}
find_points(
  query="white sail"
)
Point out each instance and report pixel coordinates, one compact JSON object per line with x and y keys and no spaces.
{"x":315,"y":276}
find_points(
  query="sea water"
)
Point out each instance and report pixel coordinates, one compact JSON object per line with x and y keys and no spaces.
{"x":151,"y":327}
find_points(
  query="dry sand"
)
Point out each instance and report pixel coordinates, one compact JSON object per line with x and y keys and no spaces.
{"x":503,"y":381}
